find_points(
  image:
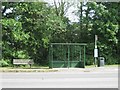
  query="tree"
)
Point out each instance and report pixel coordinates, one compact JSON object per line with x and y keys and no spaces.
{"x":30,"y":27}
{"x":106,"y":29}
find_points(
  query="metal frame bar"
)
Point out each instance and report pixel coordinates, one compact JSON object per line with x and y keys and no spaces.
{"x":80,"y":55}
{"x":63,"y":45}
{"x":68,"y":44}
{"x":52,"y":56}
{"x":68,"y":56}
{"x":84,"y":56}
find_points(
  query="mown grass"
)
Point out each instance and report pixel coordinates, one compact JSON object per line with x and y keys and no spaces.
{"x":27,"y":69}
{"x":38,"y":68}
{"x":92,"y":66}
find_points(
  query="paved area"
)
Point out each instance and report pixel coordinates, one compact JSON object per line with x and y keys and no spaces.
{"x":64,"y":78}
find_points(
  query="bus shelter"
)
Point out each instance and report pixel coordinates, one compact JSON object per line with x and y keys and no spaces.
{"x":67,"y":55}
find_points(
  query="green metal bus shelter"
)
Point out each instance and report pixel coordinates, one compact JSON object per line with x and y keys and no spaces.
{"x":67,"y":55}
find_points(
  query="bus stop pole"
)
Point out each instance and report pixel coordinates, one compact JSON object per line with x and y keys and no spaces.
{"x":96,"y":50}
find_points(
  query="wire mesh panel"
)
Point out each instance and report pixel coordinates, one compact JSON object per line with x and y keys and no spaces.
{"x":59,"y":56}
{"x":67,"y":55}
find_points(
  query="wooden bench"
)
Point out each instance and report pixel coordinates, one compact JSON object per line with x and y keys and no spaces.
{"x":23,"y":61}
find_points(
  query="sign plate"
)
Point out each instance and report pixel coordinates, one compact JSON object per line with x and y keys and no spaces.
{"x":95,"y":52}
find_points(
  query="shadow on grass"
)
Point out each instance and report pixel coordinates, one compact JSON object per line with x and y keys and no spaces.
{"x":36,"y":68}
{"x":29,"y":68}
{"x":25,"y":67}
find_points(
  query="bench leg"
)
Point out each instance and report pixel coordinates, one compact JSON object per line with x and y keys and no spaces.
{"x":30,"y":65}
{"x":13,"y":66}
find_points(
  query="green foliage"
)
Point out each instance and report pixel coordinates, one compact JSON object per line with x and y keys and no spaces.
{"x":30,"y":26}
{"x":4,"y":63}
{"x":21,"y":54}
{"x":111,"y":60}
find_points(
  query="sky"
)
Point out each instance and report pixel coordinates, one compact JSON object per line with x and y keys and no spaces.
{"x":72,"y":17}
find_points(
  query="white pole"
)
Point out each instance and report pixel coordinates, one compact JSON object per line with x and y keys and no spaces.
{"x":96,"y":38}
{"x":96,"y":50}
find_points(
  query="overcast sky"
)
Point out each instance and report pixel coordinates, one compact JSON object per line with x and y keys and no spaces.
{"x":72,"y":17}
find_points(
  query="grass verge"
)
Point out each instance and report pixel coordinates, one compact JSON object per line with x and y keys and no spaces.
{"x":20,"y":69}
{"x":92,"y":66}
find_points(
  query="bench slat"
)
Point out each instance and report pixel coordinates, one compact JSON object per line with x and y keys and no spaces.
{"x":23,"y":61}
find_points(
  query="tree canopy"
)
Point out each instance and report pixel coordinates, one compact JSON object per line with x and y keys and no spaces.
{"x":29,"y":27}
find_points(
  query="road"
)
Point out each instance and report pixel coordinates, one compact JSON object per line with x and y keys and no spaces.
{"x":62,"y":79}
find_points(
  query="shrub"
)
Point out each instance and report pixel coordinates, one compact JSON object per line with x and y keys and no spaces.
{"x":4,"y":63}
{"x":111,"y":60}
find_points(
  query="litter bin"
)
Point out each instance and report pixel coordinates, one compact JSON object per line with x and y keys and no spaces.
{"x":101,"y":61}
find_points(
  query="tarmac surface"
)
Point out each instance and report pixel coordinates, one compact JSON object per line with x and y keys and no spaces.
{"x":102,"y":77}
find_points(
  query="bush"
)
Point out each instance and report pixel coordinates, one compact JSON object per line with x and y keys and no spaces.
{"x":111,"y":60}
{"x":89,"y":60}
{"x":20,"y":54}
{"x":4,"y":63}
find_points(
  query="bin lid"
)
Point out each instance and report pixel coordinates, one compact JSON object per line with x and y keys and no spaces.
{"x":101,"y":58}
